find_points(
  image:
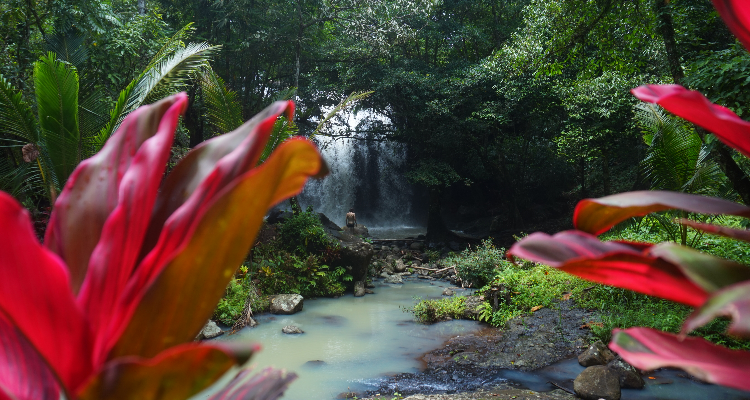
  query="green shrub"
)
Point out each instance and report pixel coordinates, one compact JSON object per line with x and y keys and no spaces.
{"x":477,"y":267}
{"x":286,"y":272}
{"x":429,"y":311}
{"x":304,"y":234}
{"x":231,"y":305}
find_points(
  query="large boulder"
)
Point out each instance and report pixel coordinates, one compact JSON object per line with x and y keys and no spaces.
{"x":286,"y":304}
{"x":596,"y":354}
{"x":597,"y":382}
{"x":471,"y":306}
{"x":359,"y":230}
{"x":394,"y":279}
{"x":292,"y":330}
{"x":210,"y":331}
{"x":626,"y":374}
{"x":399,"y":266}
{"x":355,"y":257}
{"x":359,"y":289}
{"x":327,"y":223}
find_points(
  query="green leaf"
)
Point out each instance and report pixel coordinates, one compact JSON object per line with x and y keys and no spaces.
{"x":16,"y":117}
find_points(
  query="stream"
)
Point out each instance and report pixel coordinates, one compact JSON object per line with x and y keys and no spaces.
{"x":368,"y":344}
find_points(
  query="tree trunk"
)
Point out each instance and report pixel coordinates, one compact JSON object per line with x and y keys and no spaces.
{"x":436,"y":229}
{"x":665,"y":27}
{"x":740,"y":182}
{"x":141,"y":7}
{"x":193,"y":120}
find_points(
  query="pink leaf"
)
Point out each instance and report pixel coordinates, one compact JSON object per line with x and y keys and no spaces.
{"x":694,"y":107}
{"x":649,"y":349}
{"x":598,"y":215}
{"x":741,"y":234}
{"x":625,"y":265}
{"x":113,"y":260}
{"x":23,"y":372}
{"x":269,"y":384}
{"x":736,"y":15}
{"x":732,"y":301}
{"x":93,"y":191}
{"x":35,"y":297}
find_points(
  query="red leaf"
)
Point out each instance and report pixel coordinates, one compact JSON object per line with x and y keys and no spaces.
{"x":113,"y":260}
{"x":694,"y":107}
{"x":177,"y":373}
{"x":194,"y":276}
{"x":736,"y":15}
{"x":732,"y":301}
{"x":269,"y":384}
{"x":223,"y":158}
{"x":741,"y":234}
{"x":709,"y":272}
{"x":598,"y":215}
{"x":618,"y":264}
{"x":94,"y":190}
{"x":35,"y":297}
{"x":648,"y":349}
{"x":23,"y":372}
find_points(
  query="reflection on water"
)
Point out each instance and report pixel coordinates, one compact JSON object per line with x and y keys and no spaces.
{"x":350,"y":340}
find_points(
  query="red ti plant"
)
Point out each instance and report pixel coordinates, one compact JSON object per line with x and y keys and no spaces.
{"x":715,"y":287}
{"x":133,"y":265}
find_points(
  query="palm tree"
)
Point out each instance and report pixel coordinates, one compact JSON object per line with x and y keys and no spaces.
{"x":67,"y":129}
{"x":677,"y":159}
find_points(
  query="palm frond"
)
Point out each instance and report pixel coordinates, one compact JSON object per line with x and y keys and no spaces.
{"x":223,"y":110}
{"x":16,"y":117}
{"x":56,"y":88}
{"x":348,"y":102}
{"x":92,"y":116}
{"x":283,"y":129}
{"x":68,"y":47}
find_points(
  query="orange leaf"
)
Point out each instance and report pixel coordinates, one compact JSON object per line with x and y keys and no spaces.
{"x":188,"y":289}
{"x":536,"y":308}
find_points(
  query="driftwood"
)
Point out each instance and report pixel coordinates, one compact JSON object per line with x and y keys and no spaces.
{"x":436,"y":271}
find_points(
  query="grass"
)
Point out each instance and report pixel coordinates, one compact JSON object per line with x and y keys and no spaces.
{"x":529,"y":285}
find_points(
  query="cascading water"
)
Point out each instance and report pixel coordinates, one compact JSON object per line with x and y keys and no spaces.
{"x":366,"y":175}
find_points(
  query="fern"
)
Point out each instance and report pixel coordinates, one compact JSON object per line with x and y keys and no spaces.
{"x":223,"y":110}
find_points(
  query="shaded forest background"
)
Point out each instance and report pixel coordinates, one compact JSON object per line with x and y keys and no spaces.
{"x":509,"y":110}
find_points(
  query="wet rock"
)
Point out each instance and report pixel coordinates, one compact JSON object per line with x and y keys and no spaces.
{"x":315,"y":363}
{"x":627,"y":375}
{"x":369,"y":285}
{"x":394,"y":279}
{"x":454,"y":246}
{"x":399,"y":266}
{"x":369,"y":291}
{"x":447,"y":292}
{"x":210,"y":331}
{"x":327,"y":223}
{"x":596,"y":354}
{"x":359,"y":289}
{"x":357,"y":256}
{"x":286,"y":304}
{"x":359,"y":230}
{"x":471,"y":305}
{"x":597,"y":382}
{"x":292,"y":330}
{"x":419,"y":246}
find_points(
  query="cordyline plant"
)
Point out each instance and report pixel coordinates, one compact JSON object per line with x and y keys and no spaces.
{"x":714,"y":287}
{"x":133,"y":265}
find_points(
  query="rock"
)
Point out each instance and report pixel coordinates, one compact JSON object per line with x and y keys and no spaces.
{"x":369,"y":291}
{"x":327,"y":223}
{"x":596,"y":354}
{"x":276,"y":216}
{"x":359,"y":289}
{"x":416,"y":263}
{"x":359,"y":230}
{"x":292,"y":330}
{"x":627,"y":375}
{"x":419,"y":246}
{"x":286,"y":304}
{"x":369,"y":285}
{"x":356,"y":255}
{"x":471,"y":305}
{"x":597,"y":382}
{"x":399,"y":266}
{"x":210,"y":331}
{"x":447,"y":292}
{"x":454,"y":246}
{"x":384,"y":274}
{"x":394,"y":279}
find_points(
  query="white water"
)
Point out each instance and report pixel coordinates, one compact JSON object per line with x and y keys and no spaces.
{"x":365,"y":175}
{"x":350,"y":341}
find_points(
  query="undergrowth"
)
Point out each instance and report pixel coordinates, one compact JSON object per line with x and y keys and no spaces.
{"x":429,"y":311}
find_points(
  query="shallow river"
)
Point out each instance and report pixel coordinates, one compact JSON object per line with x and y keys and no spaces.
{"x":349,"y":342}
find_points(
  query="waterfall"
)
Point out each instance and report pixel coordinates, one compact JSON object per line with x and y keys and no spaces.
{"x":366,"y":175}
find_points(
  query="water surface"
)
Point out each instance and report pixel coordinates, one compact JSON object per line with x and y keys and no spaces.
{"x":351,"y":340}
